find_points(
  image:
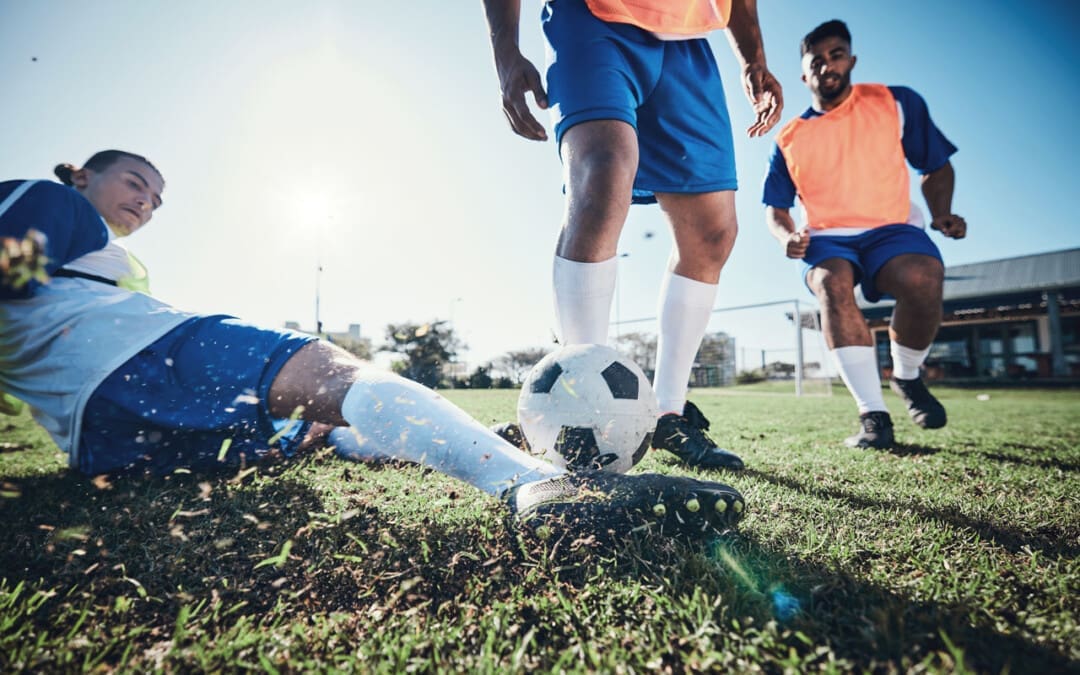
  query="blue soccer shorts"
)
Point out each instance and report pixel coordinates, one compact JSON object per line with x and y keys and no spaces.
{"x":868,"y":252}
{"x":669,"y":91}
{"x":196,"y":398}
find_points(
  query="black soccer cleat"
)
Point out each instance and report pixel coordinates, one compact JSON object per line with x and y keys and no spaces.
{"x":876,"y":431}
{"x":601,"y":502}
{"x":684,"y":435}
{"x":512,"y":434}
{"x":925,"y":410}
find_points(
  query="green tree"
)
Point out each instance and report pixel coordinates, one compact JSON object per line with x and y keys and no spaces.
{"x":516,"y":364}
{"x":427,"y":348}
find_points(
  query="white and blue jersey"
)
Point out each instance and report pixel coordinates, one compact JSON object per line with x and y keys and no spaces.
{"x":118,"y":378}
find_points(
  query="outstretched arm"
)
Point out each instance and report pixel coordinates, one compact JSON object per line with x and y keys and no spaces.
{"x":937,"y":188}
{"x":762,"y":89}
{"x":517,"y":75}
{"x":782,"y":228}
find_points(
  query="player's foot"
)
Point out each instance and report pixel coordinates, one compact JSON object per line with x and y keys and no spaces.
{"x":684,"y":435}
{"x":925,"y":410}
{"x":512,"y":434}
{"x":598,"y":501}
{"x":876,"y":431}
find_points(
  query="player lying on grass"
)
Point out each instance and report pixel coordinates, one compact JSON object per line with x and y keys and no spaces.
{"x":122,"y":381}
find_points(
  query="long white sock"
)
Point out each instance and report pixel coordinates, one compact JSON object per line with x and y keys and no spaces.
{"x":583,"y":295}
{"x":685,"y":306}
{"x":859,"y":369}
{"x":392,"y":417}
{"x":906,"y":361}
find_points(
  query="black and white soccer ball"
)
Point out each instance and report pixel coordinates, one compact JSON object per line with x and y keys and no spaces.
{"x":588,"y":407}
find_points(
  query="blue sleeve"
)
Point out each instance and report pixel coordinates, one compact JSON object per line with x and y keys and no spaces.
{"x":779,"y":190}
{"x":71,"y":225}
{"x":925,"y":147}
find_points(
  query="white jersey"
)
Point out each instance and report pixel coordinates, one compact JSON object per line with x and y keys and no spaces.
{"x":58,"y":345}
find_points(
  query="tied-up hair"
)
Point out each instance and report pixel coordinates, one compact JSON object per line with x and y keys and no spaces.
{"x":834,"y":28}
{"x":99,"y":162}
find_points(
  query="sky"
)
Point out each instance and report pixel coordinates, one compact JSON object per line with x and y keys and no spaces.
{"x":367,"y":137}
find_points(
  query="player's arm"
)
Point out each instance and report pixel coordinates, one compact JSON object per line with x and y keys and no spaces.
{"x":782,"y":228}
{"x":937,"y":189}
{"x":764,"y":91}
{"x":65,"y":226}
{"x":517,"y":76}
{"x":927,"y":149}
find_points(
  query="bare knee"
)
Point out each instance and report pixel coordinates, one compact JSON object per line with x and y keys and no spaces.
{"x":919,"y":282}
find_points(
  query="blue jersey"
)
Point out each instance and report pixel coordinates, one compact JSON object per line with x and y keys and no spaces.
{"x":925,"y":148}
{"x":71,"y":225}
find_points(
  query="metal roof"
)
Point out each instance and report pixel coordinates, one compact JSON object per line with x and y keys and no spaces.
{"x":1039,"y":272}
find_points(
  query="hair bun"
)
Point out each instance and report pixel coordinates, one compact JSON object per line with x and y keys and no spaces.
{"x":63,"y":172}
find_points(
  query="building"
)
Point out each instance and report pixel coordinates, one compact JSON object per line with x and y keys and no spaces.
{"x":1009,"y":319}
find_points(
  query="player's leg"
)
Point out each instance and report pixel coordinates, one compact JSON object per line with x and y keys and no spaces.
{"x":599,"y":160}
{"x":916,"y":281}
{"x":832,"y":280}
{"x":390,"y":416}
{"x":596,"y":75}
{"x":688,"y":163}
{"x":704,"y":228}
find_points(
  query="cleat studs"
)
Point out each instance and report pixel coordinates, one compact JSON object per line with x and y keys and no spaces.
{"x":738,"y":506}
{"x":692,"y":505}
{"x":659,"y":510}
{"x":721,"y":506}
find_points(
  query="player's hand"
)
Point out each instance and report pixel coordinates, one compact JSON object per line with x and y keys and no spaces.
{"x":517,"y":77}
{"x":952,"y":226}
{"x":766,"y":96}
{"x":797,"y":243}
{"x":23,"y":260}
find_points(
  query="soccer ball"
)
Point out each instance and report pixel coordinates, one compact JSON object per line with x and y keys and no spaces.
{"x":588,"y":407}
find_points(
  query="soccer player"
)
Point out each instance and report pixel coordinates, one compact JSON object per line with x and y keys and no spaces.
{"x":846,"y":159}
{"x":640,"y":117}
{"x":122,"y":381}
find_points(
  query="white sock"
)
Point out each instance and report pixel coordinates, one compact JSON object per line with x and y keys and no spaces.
{"x":685,"y":307}
{"x":392,"y":417}
{"x":859,"y":369}
{"x":583,"y":294}
{"x":906,"y":361}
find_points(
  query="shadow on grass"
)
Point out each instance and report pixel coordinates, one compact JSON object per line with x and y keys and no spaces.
{"x":912,"y":450}
{"x":189,"y":539}
{"x":1051,"y":540}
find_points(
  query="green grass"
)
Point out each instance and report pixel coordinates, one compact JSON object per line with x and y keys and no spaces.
{"x":956,"y":552}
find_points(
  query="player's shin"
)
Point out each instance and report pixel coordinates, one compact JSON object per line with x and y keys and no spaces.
{"x":392,"y":417}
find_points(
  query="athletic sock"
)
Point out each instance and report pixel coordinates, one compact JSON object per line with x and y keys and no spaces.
{"x":906,"y":361}
{"x":583,"y":295}
{"x":395,"y":418}
{"x":685,"y":308}
{"x":859,"y":369}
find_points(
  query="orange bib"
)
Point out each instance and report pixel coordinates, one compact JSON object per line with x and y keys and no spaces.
{"x":848,"y":165}
{"x":675,"y":17}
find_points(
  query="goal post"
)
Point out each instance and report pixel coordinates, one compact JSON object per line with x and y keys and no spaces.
{"x":772,"y":347}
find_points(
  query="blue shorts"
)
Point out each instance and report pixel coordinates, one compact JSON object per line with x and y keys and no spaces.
{"x":202,"y":387}
{"x":868,"y":252}
{"x":669,"y":91}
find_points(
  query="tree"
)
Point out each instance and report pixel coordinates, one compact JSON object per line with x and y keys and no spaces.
{"x":639,"y":348}
{"x":517,"y":364}
{"x":480,"y":379}
{"x":426,"y":348}
{"x":358,"y":347}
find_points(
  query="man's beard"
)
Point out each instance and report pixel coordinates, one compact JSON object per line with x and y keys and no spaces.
{"x":837,"y":86}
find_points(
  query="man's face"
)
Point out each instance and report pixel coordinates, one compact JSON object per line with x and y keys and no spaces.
{"x":827,"y":69}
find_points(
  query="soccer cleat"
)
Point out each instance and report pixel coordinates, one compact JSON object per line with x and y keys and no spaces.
{"x":876,"y":431}
{"x":512,"y":434}
{"x":597,"y":502}
{"x":925,"y":410}
{"x":684,"y":435}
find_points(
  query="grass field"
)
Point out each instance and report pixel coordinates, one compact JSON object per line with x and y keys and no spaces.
{"x":955,"y":552}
